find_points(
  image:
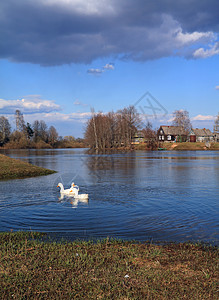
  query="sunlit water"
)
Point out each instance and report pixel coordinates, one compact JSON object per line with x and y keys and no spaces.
{"x":159,"y":196}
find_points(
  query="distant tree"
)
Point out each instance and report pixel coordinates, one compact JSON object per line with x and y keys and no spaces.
{"x":129,"y":122}
{"x":43,"y":131}
{"x":36,"y":131}
{"x":40,"y":131}
{"x":52,"y":135}
{"x":29,"y":131}
{"x":5,"y":130}
{"x":148,"y":131}
{"x":19,"y":120}
{"x":216,"y":128}
{"x":181,"y":118}
{"x":150,"y":136}
{"x":69,"y":138}
{"x":216,"y":124}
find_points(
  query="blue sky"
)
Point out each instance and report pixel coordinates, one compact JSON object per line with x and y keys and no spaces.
{"x":60,"y":58}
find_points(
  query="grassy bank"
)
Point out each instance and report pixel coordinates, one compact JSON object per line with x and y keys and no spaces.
{"x":31,"y":269}
{"x":13,"y":168}
{"x":190,"y":146}
{"x":187,"y":146}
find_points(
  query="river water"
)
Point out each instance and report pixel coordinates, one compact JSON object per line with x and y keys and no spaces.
{"x":157,"y":196}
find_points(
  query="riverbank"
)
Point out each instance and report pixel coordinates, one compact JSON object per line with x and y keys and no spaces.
{"x":186,"y":146}
{"x":33,"y":269}
{"x":13,"y":168}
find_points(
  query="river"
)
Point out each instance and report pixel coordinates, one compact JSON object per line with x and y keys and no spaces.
{"x":156,"y":196}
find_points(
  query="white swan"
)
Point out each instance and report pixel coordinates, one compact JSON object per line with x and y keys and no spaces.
{"x":81,"y":197}
{"x":71,"y":192}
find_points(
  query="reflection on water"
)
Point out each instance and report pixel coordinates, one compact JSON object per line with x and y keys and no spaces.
{"x":73,"y":200}
{"x":140,"y":195}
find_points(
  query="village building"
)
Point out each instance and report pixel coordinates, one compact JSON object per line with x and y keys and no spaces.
{"x":171,"y":134}
{"x":201,"y":135}
{"x":138,"y":138}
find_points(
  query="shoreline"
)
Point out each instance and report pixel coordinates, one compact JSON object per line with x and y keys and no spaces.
{"x":164,"y":146}
{"x":11,"y":168}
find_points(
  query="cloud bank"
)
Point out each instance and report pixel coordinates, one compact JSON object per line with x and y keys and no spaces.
{"x":28,"y":105}
{"x":56,"y":32}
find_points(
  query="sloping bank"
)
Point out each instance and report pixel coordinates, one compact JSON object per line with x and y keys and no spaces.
{"x":11,"y":168}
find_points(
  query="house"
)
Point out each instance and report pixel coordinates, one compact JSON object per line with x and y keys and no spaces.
{"x":171,"y":134}
{"x":138,"y":138}
{"x":201,"y":135}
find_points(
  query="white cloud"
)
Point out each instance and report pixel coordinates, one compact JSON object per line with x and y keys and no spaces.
{"x":57,"y":117}
{"x":95,"y":71}
{"x":98,"y":71}
{"x":29,"y":105}
{"x":194,"y":37}
{"x":204,"y":53}
{"x":109,"y":66}
{"x":203,"y":118}
{"x":79,"y":103}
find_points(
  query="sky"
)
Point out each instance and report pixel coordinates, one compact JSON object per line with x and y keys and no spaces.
{"x":62,"y":59}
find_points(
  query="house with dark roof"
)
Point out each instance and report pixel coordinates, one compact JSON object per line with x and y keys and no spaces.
{"x":201,"y":135}
{"x":171,"y":134}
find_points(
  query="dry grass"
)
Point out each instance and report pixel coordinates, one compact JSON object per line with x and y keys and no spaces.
{"x":12,"y":168}
{"x":32,"y":269}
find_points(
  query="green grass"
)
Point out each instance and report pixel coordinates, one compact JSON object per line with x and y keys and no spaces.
{"x":32,"y":269}
{"x":12,"y":168}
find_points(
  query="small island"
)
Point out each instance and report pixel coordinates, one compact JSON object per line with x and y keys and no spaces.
{"x":11,"y":168}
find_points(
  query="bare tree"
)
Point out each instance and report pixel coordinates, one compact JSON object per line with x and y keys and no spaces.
{"x":19,"y":120}
{"x":130,"y":122}
{"x":216,"y":128}
{"x":52,"y":135}
{"x":216,"y":124}
{"x":40,"y":131}
{"x":112,"y":130}
{"x":181,"y":118}
{"x":5,"y":130}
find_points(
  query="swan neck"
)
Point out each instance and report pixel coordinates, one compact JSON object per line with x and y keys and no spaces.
{"x":61,"y":187}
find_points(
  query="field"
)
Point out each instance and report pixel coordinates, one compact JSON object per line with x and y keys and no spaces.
{"x":33,"y":268}
{"x":12,"y":168}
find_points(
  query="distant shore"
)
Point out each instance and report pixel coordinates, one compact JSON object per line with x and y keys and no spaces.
{"x":170,"y":146}
{"x":11,"y":168}
{"x":186,"y":146}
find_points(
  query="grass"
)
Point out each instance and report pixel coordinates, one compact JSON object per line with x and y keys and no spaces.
{"x":181,"y":146}
{"x":33,"y":269}
{"x":189,"y":146}
{"x":12,"y":168}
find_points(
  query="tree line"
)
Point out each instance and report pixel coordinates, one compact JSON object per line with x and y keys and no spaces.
{"x":115,"y":130}
{"x":36,"y":135}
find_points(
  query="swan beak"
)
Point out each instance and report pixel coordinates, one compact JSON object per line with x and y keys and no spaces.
{"x":57,"y":186}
